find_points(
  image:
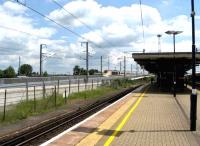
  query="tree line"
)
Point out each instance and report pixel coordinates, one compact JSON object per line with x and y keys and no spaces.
{"x":81,"y":71}
{"x":24,"y":70}
{"x":27,"y":70}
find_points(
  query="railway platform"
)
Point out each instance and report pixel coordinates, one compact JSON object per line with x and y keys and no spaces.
{"x":145,"y":117}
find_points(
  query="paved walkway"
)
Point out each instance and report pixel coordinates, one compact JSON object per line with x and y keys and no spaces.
{"x":148,"y":119}
{"x":184,"y":100}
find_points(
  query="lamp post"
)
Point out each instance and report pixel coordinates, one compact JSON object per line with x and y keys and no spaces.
{"x":174,"y":33}
{"x":193,"y":97}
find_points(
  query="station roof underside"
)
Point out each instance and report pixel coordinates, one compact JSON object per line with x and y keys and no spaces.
{"x":164,"y":62}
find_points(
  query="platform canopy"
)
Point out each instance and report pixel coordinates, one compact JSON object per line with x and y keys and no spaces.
{"x":164,"y":62}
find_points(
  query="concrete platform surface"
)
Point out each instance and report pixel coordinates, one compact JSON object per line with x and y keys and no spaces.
{"x":146,"y":117}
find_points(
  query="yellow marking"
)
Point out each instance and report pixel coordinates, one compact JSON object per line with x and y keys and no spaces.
{"x":94,"y":137}
{"x":120,"y":126}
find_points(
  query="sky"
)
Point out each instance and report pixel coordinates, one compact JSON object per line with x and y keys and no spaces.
{"x":112,"y":27}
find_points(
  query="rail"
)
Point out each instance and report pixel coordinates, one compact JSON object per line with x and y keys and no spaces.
{"x":69,"y":119}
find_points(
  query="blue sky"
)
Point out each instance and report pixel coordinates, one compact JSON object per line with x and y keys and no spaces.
{"x":115,"y":27}
{"x":167,"y":8}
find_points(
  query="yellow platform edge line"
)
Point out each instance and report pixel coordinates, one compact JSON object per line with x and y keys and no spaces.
{"x":94,"y":137}
{"x":123,"y":122}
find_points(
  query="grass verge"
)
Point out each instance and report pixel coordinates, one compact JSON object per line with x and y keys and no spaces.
{"x":25,"y":109}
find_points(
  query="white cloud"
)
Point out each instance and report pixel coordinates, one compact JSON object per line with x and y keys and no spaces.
{"x":118,"y":28}
{"x":13,"y":8}
{"x":114,"y":30}
{"x":15,"y":43}
{"x":81,"y":9}
{"x":166,"y":2}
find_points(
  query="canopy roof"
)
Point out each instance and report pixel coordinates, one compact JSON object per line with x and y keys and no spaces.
{"x":164,"y":62}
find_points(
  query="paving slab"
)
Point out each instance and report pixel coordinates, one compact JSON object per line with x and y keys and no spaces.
{"x":151,"y":119}
{"x":157,"y":121}
{"x":105,"y":118}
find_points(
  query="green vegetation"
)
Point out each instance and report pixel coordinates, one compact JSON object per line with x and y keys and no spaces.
{"x":29,"y":108}
{"x":45,"y":74}
{"x":1,"y":73}
{"x":92,"y":93}
{"x":9,"y":72}
{"x":93,"y":71}
{"x":81,"y":71}
{"x":26,"y":69}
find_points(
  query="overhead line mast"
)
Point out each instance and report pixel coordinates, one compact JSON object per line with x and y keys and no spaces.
{"x":87,"y":60}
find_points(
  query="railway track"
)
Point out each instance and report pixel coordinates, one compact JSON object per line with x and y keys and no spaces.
{"x":30,"y":137}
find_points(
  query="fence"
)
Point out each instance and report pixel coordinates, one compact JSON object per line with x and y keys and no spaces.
{"x":36,"y":96}
{"x":39,"y":79}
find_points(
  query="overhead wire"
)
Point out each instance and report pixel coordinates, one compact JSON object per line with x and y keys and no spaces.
{"x":66,"y":28}
{"x":55,"y":22}
{"x":62,"y":26}
{"x":82,"y":22}
{"x":17,"y":30}
{"x":59,"y":5}
{"x":50,"y":19}
{"x":13,"y":29}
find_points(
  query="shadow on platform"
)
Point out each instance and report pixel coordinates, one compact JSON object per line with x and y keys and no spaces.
{"x":108,"y":132}
{"x":154,"y":89}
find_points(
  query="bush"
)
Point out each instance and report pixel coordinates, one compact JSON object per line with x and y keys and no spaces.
{"x":9,"y":72}
{"x":1,"y":73}
{"x":26,"y":69}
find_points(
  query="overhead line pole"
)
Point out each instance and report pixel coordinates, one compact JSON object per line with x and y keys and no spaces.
{"x":41,"y":59}
{"x":108,"y":63}
{"x":101,"y":65}
{"x":124,"y":66}
{"x":87,"y":60}
{"x":120,"y":67}
{"x":19,"y":65}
